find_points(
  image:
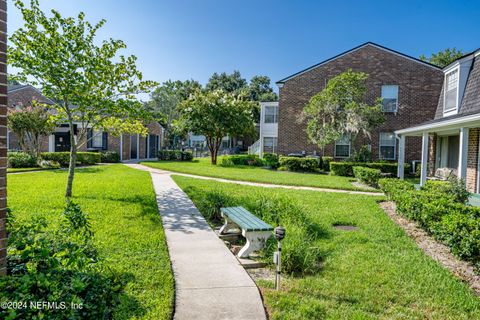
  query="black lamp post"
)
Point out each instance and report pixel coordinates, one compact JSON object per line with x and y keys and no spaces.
{"x":279,"y":235}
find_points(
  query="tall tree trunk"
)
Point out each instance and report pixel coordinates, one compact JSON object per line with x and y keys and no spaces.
{"x":73,"y":160}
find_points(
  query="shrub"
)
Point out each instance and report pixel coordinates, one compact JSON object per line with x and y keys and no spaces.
{"x":21,"y":160}
{"x":299,"y":164}
{"x":367,"y":175}
{"x":175,"y":155}
{"x":346,"y":168}
{"x":439,"y":209}
{"x":242,"y":160}
{"x":61,"y":265}
{"x":48,"y":164}
{"x":364,"y":154}
{"x":271,"y":160}
{"x":63,"y":158}
{"x":110,"y":157}
{"x":226,"y":162}
{"x":326,"y":163}
{"x":453,"y":186}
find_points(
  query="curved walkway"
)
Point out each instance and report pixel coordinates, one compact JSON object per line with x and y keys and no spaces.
{"x":210,"y":283}
{"x":260,"y":184}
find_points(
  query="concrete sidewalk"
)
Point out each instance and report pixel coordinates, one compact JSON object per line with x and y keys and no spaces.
{"x":210,"y":283}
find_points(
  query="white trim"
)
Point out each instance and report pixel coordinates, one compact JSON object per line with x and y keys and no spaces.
{"x":349,"y":150}
{"x":423,"y":168}
{"x":380,"y":146}
{"x":463,"y":153}
{"x":401,"y":157}
{"x":449,"y":123}
{"x":51,"y":143}
{"x":453,"y":111}
{"x":351,"y":51}
{"x":148,"y":146}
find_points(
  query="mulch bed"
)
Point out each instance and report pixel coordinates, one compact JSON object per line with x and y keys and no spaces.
{"x":436,"y":250}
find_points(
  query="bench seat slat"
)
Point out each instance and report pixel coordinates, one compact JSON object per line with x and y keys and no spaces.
{"x":245,"y":219}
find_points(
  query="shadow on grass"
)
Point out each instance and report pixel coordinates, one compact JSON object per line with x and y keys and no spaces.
{"x":128,"y":306}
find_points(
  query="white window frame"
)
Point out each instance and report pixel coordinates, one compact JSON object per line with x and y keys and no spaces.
{"x":274,"y":144}
{"x":380,"y":145}
{"x":453,"y":110}
{"x":341,"y":144}
{"x":97,"y":134}
{"x":396,"y":102}
{"x":275,"y":115}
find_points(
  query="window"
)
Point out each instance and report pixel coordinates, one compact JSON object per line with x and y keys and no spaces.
{"x":97,"y":139}
{"x":269,"y":142}
{"x":342,"y":147}
{"x":451,"y":86}
{"x":387,"y":145}
{"x":271,"y":114}
{"x":389,"y":98}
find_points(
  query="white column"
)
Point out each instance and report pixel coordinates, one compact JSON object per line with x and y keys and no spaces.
{"x":148,"y":146}
{"x":401,"y":157}
{"x":423,"y":174}
{"x":51,"y":143}
{"x":463,"y":153}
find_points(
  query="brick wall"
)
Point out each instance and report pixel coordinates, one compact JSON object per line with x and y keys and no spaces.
{"x":472,"y":160}
{"x":419,"y":89}
{"x":3,"y":135}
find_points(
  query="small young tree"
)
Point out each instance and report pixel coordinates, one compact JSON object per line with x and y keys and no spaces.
{"x":443,"y":58}
{"x":340,"y":109}
{"x":216,"y":114}
{"x":29,"y":124}
{"x":92,"y":86}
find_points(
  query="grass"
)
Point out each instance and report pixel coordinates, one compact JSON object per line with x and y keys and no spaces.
{"x":203,"y":167}
{"x":122,"y":207}
{"x":14,"y":170}
{"x":376,"y":272}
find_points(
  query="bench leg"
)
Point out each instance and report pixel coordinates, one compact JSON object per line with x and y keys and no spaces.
{"x":228,"y":225}
{"x":255,"y":241}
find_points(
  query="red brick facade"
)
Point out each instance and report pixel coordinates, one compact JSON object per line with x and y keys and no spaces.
{"x":3,"y":136}
{"x":419,"y":88}
{"x":472,"y":160}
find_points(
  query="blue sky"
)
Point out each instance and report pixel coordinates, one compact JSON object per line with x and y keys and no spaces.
{"x":182,"y":39}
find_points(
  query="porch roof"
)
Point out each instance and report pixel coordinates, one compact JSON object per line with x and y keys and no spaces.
{"x":443,"y":124}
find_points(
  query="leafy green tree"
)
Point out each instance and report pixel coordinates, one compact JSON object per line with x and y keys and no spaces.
{"x":216,"y":114}
{"x":230,"y":83}
{"x":92,"y":85}
{"x":260,"y":89}
{"x":29,"y":124}
{"x":443,"y":58}
{"x":340,"y":109}
{"x":164,"y":101}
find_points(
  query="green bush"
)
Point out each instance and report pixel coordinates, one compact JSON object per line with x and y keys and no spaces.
{"x":326,"y":163}
{"x":439,"y":208}
{"x":242,"y":160}
{"x":60,"y":264}
{"x":175,"y":155}
{"x":110,"y":157}
{"x":346,"y":168}
{"x":367,"y":175}
{"x":21,"y":160}
{"x":299,"y":164}
{"x":271,"y":160}
{"x":364,"y":154}
{"x":453,"y":186}
{"x":63,"y":158}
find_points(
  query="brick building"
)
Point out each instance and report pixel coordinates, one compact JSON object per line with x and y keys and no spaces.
{"x":3,"y":136}
{"x":409,"y":87}
{"x":128,"y":146}
{"x":450,"y":142}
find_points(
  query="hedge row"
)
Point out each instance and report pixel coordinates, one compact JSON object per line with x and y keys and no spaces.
{"x":21,"y":160}
{"x":241,"y":160}
{"x":368,"y":176}
{"x":346,"y":168}
{"x":175,"y":155}
{"x":271,"y":160}
{"x":25,"y":160}
{"x":63,"y":158}
{"x":440,"y":209}
{"x":299,"y":164}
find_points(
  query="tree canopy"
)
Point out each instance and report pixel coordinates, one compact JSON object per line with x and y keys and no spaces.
{"x":216,"y":114}
{"x":443,"y":58}
{"x":340,"y":109}
{"x":92,"y":85}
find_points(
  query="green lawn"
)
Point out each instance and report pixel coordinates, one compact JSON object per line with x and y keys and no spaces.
{"x":13,"y":170}
{"x":121,"y":204}
{"x":203,"y":167}
{"x":376,"y":272}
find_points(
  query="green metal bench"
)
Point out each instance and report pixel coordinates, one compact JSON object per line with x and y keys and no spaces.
{"x":252,"y":228}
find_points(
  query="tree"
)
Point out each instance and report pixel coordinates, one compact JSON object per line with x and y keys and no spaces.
{"x":216,"y":114}
{"x":443,"y":58}
{"x":260,"y":89}
{"x":230,"y":83}
{"x":165,"y":100}
{"x":29,"y":124}
{"x":92,"y":85}
{"x":340,"y":109}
